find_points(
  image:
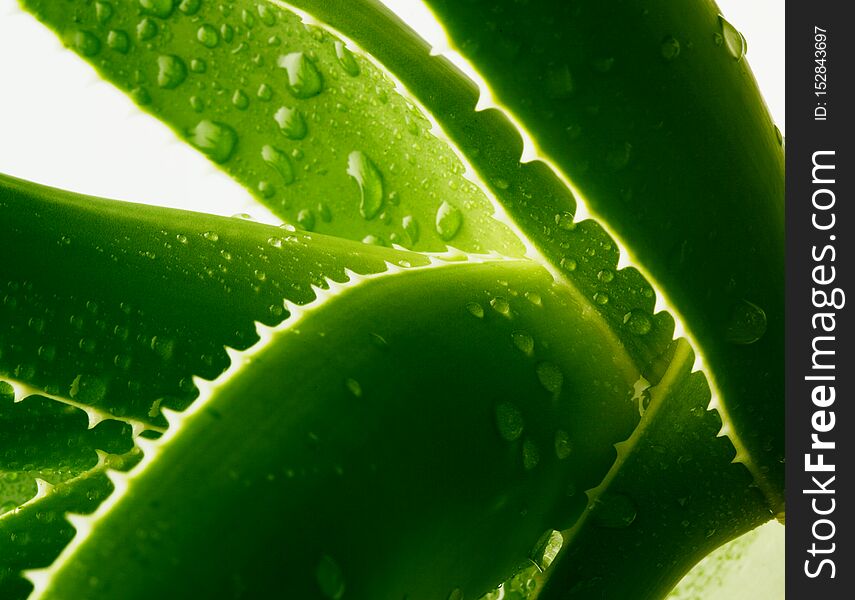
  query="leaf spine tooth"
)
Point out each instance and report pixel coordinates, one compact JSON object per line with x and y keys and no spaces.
{"x":43,"y":488}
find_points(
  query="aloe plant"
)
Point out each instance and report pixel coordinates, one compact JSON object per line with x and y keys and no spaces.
{"x":449,"y":373}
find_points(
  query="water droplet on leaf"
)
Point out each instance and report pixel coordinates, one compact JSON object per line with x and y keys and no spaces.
{"x":216,"y":140}
{"x":304,"y":79}
{"x":448,"y":221}
{"x":370,"y":181}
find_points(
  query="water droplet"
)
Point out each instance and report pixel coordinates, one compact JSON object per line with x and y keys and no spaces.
{"x":779,"y":136}
{"x":275,"y":242}
{"x":370,"y":182}
{"x":304,"y":79}
{"x":346,"y":59}
{"x":146,"y":29}
{"x":198,"y":65}
{"x":158,"y":8}
{"x":734,"y":41}
{"x":565,"y":221}
{"x":328,"y":574}
{"x":264,"y":92}
{"x":475,"y":310}
{"x":291,"y":123}
{"x":103,"y":12}
{"x":411,"y":228}
{"x":353,"y":387}
{"x":448,"y":221}
{"x":524,"y":342}
{"x":551,"y":377}
{"x":606,"y":275}
{"x":141,"y":96}
{"x":747,"y":323}
{"x":306,"y":219}
{"x":211,"y":236}
{"x":637,"y":322}
{"x":669,"y":47}
{"x":563,"y":446}
{"x":601,"y":298}
{"x":119,"y":41}
{"x":531,"y":455}
{"x":216,"y":140}
{"x":240,"y":100}
{"x":171,"y":71}
{"x":546,"y":549}
{"x":534,"y":298}
{"x":509,"y":421}
{"x":190,"y":7}
{"x":227,"y":32}
{"x":568,"y":264}
{"x":266,"y":14}
{"x":501,"y":306}
{"x":279,"y":161}
{"x":325,"y":212}
{"x":208,"y":36}
{"x":613,"y":510}
{"x":456,"y":594}
{"x":86,"y":43}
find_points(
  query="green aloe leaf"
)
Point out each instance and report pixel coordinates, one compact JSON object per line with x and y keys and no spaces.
{"x":476,"y":414}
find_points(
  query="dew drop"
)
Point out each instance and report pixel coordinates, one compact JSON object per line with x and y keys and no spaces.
{"x":304,"y":79}
{"x":291,"y":123}
{"x":534,"y":298}
{"x":190,"y":7}
{"x":509,"y":421}
{"x":216,"y":140}
{"x":368,"y":177}
{"x":734,"y":41}
{"x":563,"y":446}
{"x":275,"y":242}
{"x":346,"y":59}
{"x":551,"y":377}
{"x":157,"y":8}
{"x":524,"y":342}
{"x":208,"y":36}
{"x":119,"y":41}
{"x":279,"y":161}
{"x":86,"y":43}
{"x":354,"y":387}
{"x":501,"y":306}
{"x":475,"y":310}
{"x":531,"y":455}
{"x":103,"y":12}
{"x":669,"y":47}
{"x":637,"y":322}
{"x":171,"y":71}
{"x":613,"y":510}
{"x":264,"y":92}
{"x":747,"y":323}
{"x":601,"y":298}
{"x":146,"y":29}
{"x":197,"y":65}
{"x":565,"y":221}
{"x":411,"y":228}
{"x":306,"y":219}
{"x":546,"y":549}
{"x":266,"y":14}
{"x":455,"y":594}
{"x":240,"y":100}
{"x":328,"y":574}
{"x":448,"y":221}
{"x":568,"y":264}
{"x":606,"y":275}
